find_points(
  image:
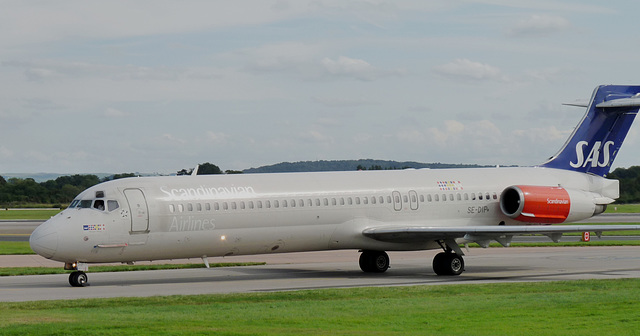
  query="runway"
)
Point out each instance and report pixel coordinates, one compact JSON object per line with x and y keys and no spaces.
{"x":336,"y":269}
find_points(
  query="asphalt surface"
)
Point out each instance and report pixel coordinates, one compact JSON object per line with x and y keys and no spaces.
{"x":328,"y":269}
{"x":335,"y":269}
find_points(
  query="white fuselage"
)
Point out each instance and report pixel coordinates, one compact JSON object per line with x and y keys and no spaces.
{"x":221,"y":215}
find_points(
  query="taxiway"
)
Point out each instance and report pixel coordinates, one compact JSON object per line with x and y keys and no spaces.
{"x":335,"y":269}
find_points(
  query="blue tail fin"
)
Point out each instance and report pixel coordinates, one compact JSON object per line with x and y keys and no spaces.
{"x":594,"y":144}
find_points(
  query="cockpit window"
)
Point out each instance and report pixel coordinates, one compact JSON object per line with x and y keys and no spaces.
{"x":74,"y":203}
{"x":85,"y":204}
{"x":112,"y":205}
{"x":98,"y":204}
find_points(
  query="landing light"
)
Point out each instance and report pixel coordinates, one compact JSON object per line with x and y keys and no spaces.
{"x":223,"y":237}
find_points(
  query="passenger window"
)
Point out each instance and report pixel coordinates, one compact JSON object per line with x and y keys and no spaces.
{"x":388,"y":199}
{"x":357,"y":200}
{"x":473,"y":196}
{"x":172,"y":208}
{"x":259,"y":204}
{"x":199,"y":206}
{"x":267,"y":204}
{"x":429,"y":199}
{"x":225,"y":206}
{"x":421,"y":198}
{"x":234,"y":206}
{"x":451,"y":197}
{"x":112,"y":205}
{"x":180,"y":208}
{"x":480,"y":197}
{"x":366,"y":200}
{"x":495,"y":196}
{"x":250,"y":204}
{"x":334,"y":202}
{"x":350,"y":201}
{"x":436,"y":197}
{"x":326,"y":202}
{"x":190,"y":207}
{"x":284,"y":204}
{"x":276,"y":204}
{"x":373,"y":200}
{"x":466,"y":196}
{"x":207,"y":206}
{"x":242,"y":205}
{"x":216,"y":206}
{"x":341,"y":200}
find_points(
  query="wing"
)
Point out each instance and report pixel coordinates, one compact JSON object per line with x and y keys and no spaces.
{"x":481,"y":234}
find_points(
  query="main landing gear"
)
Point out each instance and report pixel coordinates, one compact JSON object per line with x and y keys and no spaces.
{"x":374,"y":261}
{"x":77,"y":278}
{"x":449,"y":262}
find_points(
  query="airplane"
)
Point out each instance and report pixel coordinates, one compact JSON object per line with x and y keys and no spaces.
{"x":201,"y":216}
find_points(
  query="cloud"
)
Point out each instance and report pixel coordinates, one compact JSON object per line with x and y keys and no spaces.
{"x":114,"y":113}
{"x":341,"y":102}
{"x":351,"y":67}
{"x":172,"y":139}
{"x":43,"y":70}
{"x":463,"y":68}
{"x":539,"y":25}
{"x":217,"y":138}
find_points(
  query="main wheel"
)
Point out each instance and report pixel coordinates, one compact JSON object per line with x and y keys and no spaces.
{"x":448,"y":264}
{"x":78,"y":279}
{"x":374,"y":261}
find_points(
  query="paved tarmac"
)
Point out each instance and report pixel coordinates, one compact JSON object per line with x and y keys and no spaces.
{"x":333,"y":269}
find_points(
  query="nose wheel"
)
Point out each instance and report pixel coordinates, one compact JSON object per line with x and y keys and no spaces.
{"x":78,"y":279}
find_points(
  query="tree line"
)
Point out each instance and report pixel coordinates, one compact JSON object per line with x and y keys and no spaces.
{"x":16,"y":192}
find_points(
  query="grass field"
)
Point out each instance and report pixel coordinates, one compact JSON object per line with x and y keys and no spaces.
{"x":27,"y":214}
{"x":591,"y":307}
{"x":12,"y":271}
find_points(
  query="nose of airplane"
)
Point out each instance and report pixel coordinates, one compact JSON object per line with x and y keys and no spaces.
{"x":44,"y":240}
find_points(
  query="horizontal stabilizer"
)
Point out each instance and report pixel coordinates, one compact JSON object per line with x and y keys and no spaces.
{"x":623,"y":102}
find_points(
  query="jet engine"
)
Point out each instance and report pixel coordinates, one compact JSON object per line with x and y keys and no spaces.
{"x":549,"y":205}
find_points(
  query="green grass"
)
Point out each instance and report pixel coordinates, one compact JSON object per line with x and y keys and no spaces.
{"x":28,"y":214}
{"x":12,"y":271}
{"x":591,"y":307}
{"x":623,"y":208}
{"x":15,"y":248}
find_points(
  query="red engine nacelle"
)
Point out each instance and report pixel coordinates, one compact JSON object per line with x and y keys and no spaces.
{"x":548,"y":205}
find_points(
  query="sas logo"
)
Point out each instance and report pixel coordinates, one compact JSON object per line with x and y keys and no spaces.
{"x":594,"y":155}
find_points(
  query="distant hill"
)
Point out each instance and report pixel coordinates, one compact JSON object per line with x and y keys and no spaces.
{"x":351,"y":165}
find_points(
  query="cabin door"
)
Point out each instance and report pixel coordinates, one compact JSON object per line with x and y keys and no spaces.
{"x":139,"y":210}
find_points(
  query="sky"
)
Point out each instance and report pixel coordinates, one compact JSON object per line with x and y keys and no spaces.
{"x":158,"y":86}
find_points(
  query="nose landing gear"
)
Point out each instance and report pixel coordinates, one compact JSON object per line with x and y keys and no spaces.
{"x":78,"y":278}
